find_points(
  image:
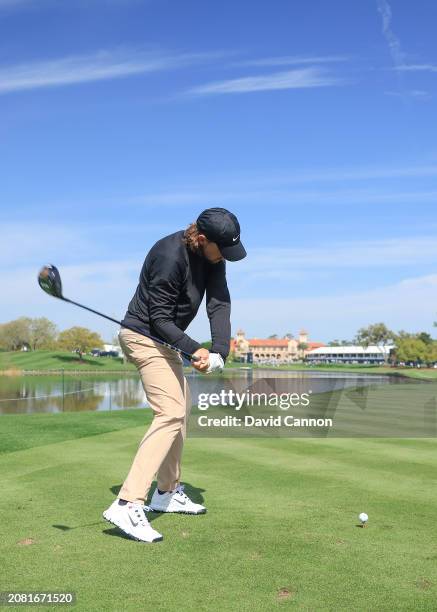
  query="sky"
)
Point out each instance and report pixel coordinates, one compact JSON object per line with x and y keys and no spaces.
{"x":315,"y":123}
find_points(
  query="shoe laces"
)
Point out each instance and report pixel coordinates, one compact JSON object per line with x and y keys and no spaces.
{"x":139,"y":514}
{"x":180,"y":489}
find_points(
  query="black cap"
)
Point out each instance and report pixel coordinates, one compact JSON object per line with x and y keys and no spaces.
{"x":222,"y":227}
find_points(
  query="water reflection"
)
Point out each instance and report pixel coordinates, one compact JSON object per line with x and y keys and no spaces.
{"x":28,"y":394}
{"x":73,"y":394}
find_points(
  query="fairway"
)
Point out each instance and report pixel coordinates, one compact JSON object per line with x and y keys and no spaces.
{"x":281,"y":529}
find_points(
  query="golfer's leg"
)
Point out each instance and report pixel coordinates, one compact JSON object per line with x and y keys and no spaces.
{"x":169,"y":473}
{"x":163,"y":380}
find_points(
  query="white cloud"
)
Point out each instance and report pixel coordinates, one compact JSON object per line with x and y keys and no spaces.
{"x":78,"y":251}
{"x":106,"y":286}
{"x":41,"y":243}
{"x":253,"y":185}
{"x":347,"y":254}
{"x":292,"y":79}
{"x":393,"y":42}
{"x":291,"y":60}
{"x":361,"y":173}
{"x":417,"y":94}
{"x":399,"y":58}
{"x":417,"y":67}
{"x":420,"y":93}
{"x":409,"y":304}
{"x":286,"y":197}
{"x":268,"y":270}
{"x":109,"y":285}
{"x":102,"y":65}
{"x":26,"y":242}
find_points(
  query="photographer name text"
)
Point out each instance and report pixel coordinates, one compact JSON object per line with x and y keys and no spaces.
{"x":271,"y":421}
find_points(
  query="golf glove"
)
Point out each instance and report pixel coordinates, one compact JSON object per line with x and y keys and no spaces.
{"x":216,"y":363}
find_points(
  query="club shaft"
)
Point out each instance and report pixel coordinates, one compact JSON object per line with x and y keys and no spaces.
{"x":100,"y":314}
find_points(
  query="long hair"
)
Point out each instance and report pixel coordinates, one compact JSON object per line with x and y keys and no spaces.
{"x":191,"y":236}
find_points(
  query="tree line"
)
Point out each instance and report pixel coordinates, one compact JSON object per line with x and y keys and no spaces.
{"x":408,"y":347}
{"x":41,"y":333}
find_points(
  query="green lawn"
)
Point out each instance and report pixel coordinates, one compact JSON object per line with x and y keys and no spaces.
{"x":280,"y":533}
{"x":17,"y":361}
{"x":58,"y":360}
{"x":420,"y":373}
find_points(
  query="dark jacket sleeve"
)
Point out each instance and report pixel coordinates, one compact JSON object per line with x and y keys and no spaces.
{"x":218,"y":307}
{"x":165,"y":281}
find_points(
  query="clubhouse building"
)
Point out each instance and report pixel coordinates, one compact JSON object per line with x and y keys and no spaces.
{"x":278,"y":350}
{"x":349,"y":354}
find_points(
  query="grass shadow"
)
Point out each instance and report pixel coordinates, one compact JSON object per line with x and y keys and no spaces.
{"x":74,"y":359}
{"x":67,"y":528}
{"x":116,"y":532}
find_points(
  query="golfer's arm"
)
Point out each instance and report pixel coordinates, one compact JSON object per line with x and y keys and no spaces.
{"x":218,"y":308}
{"x":163,"y":292}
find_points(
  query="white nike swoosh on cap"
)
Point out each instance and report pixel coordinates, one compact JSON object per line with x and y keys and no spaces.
{"x":236,"y":238}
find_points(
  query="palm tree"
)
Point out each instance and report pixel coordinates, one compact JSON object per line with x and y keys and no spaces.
{"x":302,"y":347}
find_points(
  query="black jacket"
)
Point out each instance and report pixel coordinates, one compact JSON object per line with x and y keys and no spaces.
{"x":172,"y":284}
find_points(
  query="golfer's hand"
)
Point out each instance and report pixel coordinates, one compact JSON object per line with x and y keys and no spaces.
{"x":203,"y":363}
{"x":216,"y":363}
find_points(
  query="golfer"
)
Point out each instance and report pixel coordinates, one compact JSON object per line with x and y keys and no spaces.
{"x":177,"y":272}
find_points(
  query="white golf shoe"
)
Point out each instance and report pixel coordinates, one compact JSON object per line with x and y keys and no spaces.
{"x":131,"y":519}
{"x":175,"y":501}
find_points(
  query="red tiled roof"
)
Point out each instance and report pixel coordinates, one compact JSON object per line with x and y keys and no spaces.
{"x":273,"y":342}
{"x":268,"y":342}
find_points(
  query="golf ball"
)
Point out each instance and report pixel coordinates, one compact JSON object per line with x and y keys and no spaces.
{"x":363,"y":517}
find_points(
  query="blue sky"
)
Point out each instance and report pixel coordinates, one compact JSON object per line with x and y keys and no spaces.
{"x":121,"y":120}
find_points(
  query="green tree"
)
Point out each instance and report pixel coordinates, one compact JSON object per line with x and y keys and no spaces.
{"x":432,"y":352}
{"x":411,"y":349}
{"x":415,"y":347}
{"x":15,"y":335}
{"x":425,"y":337}
{"x":302,"y":346}
{"x":79,"y":339}
{"x":377,"y":334}
{"x":273,"y":337}
{"x":42,"y":333}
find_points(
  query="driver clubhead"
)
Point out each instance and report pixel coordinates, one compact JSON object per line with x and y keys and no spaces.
{"x":49,"y":280}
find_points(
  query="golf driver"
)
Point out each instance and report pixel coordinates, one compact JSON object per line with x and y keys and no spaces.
{"x":49,"y":280}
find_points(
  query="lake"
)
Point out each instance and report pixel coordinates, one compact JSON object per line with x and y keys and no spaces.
{"x":69,"y":393}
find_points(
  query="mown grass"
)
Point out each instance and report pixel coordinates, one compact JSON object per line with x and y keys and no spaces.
{"x":15,"y":362}
{"x":280,"y":533}
{"x":58,"y":360}
{"x":419,"y":373}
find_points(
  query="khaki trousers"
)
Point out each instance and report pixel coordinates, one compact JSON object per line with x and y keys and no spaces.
{"x":168,"y":394}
